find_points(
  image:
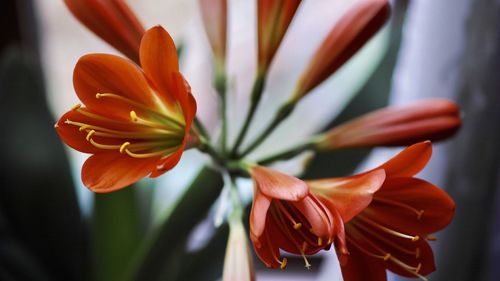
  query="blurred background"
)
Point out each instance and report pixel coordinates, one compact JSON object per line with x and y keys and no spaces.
{"x":53,"y":228}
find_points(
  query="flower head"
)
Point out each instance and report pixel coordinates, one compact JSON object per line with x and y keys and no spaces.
{"x":285,"y":215}
{"x":136,"y":122}
{"x":392,"y":232}
{"x":273,"y":19}
{"x":431,"y":119}
{"x":351,"y":32}
{"x":113,"y":21}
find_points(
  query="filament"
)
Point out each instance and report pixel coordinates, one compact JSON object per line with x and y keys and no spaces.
{"x":419,"y":213}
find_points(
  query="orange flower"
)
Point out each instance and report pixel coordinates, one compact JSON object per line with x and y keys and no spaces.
{"x":134,"y":123}
{"x":350,"y":34}
{"x":113,"y":21}
{"x":392,"y":232}
{"x":285,"y":215}
{"x":432,"y":119}
{"x":273,"y":19}
{"x":214,"y":13}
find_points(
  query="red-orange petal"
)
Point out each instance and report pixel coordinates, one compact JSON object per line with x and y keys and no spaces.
{"x":258,"y":214}
{"x":102,"y":73}
{"x":159,"y":61}
{"x":349,"y":195}
{"x":71,"y":134}
{"x":317,"y":215}
{"x":113,"y":21}
{"x":277,"y":185}
{"x":408,"y":162}
{"x":360,"y":267}
{"x":107,"y":172}
{"x":437,"y":206}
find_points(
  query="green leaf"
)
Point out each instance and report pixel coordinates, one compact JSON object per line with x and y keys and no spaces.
{"x":37,"y":197}
{"x":161,"y":258}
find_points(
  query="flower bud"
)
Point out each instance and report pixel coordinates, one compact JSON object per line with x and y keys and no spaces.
{"x":214,"y":13}
{"x":238,"y":263}
{"x":273,"y":19}
{"x":348,"y":35}
{"x":113,"y":21}
{"x":431,"y":119}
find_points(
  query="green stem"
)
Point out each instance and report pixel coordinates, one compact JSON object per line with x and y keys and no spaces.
{"x":201,"y":129}
{"x":288,"y":154}
{"x":206,"y":147}
{"x":257,"y":90}
{"x":283,"y":113}
{"x":221,"y":88}
{"x":161,"y":255}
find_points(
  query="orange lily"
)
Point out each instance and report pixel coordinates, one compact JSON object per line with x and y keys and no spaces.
{"x":285,"y":215}
{"x":431,"y":119}
{"x":273,"y":19}
{"x":214,"y":13}
{"x":135,"y":122}
{"x":392,"y":232}
{"x":351,"y":32}
{"x":113,"y":21}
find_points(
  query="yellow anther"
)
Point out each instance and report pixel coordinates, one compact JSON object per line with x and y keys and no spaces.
{"x":417,"y":253}
{"x":420,"y":213}
{"x":284,"y":263}
{"x":415,"y":238}
{"x":387,"y":257}
{"x":98,"y":95}
{"x":76,"y":106}
{"x":297,"y":226}
{"x":431,"y":237}
{"x":320,"y":241}
{"x":89,"y":135}
{"x":124,"y":146}
{"x":84,"y":127}
{"x":419,"y":266}
{"x":133,"y":116}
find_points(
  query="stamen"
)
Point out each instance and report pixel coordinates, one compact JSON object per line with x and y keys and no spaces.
{"x":411,"y":269}
{"x":288,"y":215}
{"x":431,"y":237}
{"x":297,"y":226}
{"x":104,"y":146}
{"x":284,"y":263}
{"x":76,"y":106}
{"x":320,"y":241}
{"x":388,"y":230}
{"x":151,"y":134}
{"x":268,"y":242}
{"x":307,"y":264}
{"x":400,"y":204}
{"x":151,"y":154}
{"x":384,"y":256}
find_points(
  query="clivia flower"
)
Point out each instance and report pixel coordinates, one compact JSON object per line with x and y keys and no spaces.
{"x":113,"y":21}
{"x":135,"y":122}
{"x":285,"y":215}
{"x":392,"y":232}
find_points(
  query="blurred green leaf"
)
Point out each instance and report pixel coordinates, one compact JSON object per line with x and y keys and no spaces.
{"x":161,"y":258}
{"x":37,"y":196}
{"x":116,"y":233}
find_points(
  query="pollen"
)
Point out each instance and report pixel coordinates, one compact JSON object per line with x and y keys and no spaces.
{"x":415,"y":238}
{"x":133,"y":116}
{"x":124,"y":146}
{"x":387,"y":257}
{"x":320,"y":241}
{"x":297,"y":226}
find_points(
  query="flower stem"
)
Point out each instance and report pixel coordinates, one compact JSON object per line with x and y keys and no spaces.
{"x":288,"y":154}
{"x":257,"y":90}
{"x":200,"y":128}
{"x":284,"y":111}
{"x":221,"y":88}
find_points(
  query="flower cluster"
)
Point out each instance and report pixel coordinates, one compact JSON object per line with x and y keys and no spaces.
{"x":138,"y":116}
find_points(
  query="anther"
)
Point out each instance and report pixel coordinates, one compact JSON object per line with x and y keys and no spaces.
{"x":415,"y":238}
{"x":89,"y":135}
{"x":76,"y":106}
{"x":98,"y":95}
{"x":124,"y":146}
{"x":297,"y":226}
{"x":387,"y":257}
{"x":419,"y":266}
{"x":419,"y":216}
{"x":284,"y":263}
{"x":133,"y":116}
{"x":320,"y":241}
{"x":431,"y":237}
{"x":84,"y":127}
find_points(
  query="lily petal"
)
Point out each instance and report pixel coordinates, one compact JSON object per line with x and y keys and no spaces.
{"x":409,"y":161}
{"x":277,"y":185}
{"x":258,"y":214}
{"x":159,"y":61}
{"x":107,"y":172}
{"x":349,"y":195}
{"x":361,"y":268}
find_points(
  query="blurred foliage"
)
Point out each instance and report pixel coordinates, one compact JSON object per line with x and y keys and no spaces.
{"x":37,"y":199}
